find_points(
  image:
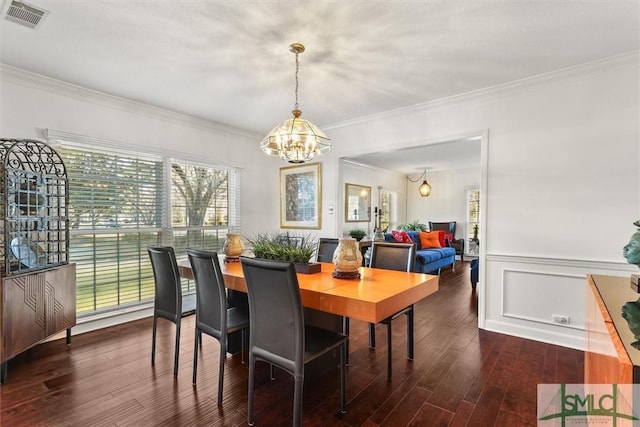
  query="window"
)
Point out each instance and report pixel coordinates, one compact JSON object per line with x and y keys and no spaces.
{"x":120,"y":203}
{"x":385,"y":210}
{"x":473,"y":221}
{"x":200,"y":207}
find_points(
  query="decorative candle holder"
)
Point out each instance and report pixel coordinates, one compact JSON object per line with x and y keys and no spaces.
{"x":232,"y":247}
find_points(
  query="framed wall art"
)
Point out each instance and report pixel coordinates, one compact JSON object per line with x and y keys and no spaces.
{"x":357,"y":203}
{"x":301,"y":196}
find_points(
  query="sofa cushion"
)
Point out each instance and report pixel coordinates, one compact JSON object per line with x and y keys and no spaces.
{"x":449,"y":237}
{"x":430,"y":239}
{"x":426,"y":256}
{"x":401,"y":236}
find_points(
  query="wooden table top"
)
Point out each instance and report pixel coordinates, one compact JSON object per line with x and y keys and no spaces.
{"x":377,"y":295}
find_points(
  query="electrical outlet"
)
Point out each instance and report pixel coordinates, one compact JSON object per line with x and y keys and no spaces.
{"x":560,"y":319}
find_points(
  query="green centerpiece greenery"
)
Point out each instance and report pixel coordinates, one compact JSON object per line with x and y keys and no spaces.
{"x":357,"y":234}
{"x":291,"y":247}
{"x":412,"y":226}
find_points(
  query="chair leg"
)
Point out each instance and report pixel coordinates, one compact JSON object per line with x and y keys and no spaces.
{"x":223,"y":355}
{"x":297,"y":400}
{"x":389,"y":350}
{"x":372,"y":335}
{"x":252,"y":365}
{"x":345,"y":330}
{"x":153,"y":341}
{"x":197,"y":340}
{"x":410,"y":334}
{"x":177,"y":350}
{"x":272,"y":372}
{"x":3,"y":372}
{"x":243,"y":335}
{"x":343,"y":383}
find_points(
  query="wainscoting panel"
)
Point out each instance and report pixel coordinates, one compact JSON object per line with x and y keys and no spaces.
{"x":522,"y":295}
{"x":521,"y":291}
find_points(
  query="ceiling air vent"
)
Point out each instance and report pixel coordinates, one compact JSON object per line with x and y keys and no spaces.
{"x":25,"y":14}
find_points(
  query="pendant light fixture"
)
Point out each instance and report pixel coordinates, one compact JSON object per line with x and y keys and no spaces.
{"x":296,"y":140}
{"x":425,"y":188}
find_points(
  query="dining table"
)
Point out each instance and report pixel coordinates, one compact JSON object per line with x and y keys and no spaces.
{"x":373,"y":297}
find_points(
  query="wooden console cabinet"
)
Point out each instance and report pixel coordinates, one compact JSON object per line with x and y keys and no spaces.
{"x":610,"y":358}
{"x":35,"y":306}
{"x":38,"y":285}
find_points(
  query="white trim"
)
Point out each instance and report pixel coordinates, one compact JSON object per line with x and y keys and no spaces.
{"x":543,"y":322}
{"x":583,"y":70}
{"x":108,"y":319}
{"x":482,"y":262}
{"x":563,"y":262}
{"x":29,"y":79}
{"x":503,"y":285}
{"x":578,"y":342}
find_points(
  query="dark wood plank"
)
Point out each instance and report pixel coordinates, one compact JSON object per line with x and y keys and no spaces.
{"x":460,"y":376}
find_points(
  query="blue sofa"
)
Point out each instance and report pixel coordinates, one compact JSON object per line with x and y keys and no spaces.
{"x":429,"y":260}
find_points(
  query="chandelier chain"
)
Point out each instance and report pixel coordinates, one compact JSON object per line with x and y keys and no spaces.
{"x":297,"y":68}
{"x":424,"y":174}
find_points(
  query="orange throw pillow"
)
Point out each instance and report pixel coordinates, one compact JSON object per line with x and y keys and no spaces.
{"x":429,"y":239}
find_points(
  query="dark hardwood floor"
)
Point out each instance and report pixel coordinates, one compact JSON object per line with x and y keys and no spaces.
{"x":460,"y":376}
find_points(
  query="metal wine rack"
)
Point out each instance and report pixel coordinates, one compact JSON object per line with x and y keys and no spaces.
{"x":34,"y":195}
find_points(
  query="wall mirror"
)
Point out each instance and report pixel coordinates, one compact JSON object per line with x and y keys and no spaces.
{"x":357,"y":202}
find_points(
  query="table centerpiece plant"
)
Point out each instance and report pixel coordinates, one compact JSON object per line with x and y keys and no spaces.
{"x":291,"y":247}
{"x":357,"y":234}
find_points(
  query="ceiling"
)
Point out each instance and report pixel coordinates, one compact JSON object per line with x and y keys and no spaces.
{"x":448,"y":155}
{"x":229,"y":62}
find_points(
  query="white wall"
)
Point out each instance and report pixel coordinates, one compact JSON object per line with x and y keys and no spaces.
{"x":374,"y":178}
{"x":562,"y":171}
{"x":447,"y":201}
{"x":30,"y":103}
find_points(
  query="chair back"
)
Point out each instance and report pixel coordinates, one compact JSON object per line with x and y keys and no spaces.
{"x":275,"y":311}
{"x":447,"y":227}
{"x":211,"y":302}
{"x":393,"y":256}
{"x":326,"y":248}
{"x":168,"y":295}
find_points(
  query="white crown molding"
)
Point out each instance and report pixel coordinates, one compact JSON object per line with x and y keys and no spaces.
{"x":583,"y":70}
{"x":39,"y":81}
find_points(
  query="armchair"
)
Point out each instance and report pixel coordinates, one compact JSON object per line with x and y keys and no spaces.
{"x":474,"y":272}
{"x":450,"y":228}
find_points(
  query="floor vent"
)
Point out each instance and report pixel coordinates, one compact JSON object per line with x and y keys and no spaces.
{"x":25,"y":14}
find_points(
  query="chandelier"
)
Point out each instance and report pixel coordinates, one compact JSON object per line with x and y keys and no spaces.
{"x":296,"y":140}
{"x":425,"y":188}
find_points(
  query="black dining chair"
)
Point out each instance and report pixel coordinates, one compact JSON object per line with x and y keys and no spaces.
{"x":213,"y":316}
{"x":279,"y":335}
{"x":168,"y":303}
{"x":394,"y":256}
{"x":326,"y":248}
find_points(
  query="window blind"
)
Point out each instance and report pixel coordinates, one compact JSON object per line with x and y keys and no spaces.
{"x":120,"y":203}
{"x":115,"y":212}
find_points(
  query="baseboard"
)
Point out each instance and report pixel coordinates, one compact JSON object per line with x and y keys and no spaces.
{"x":108,"y":319}
{"x":573,"y":338}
